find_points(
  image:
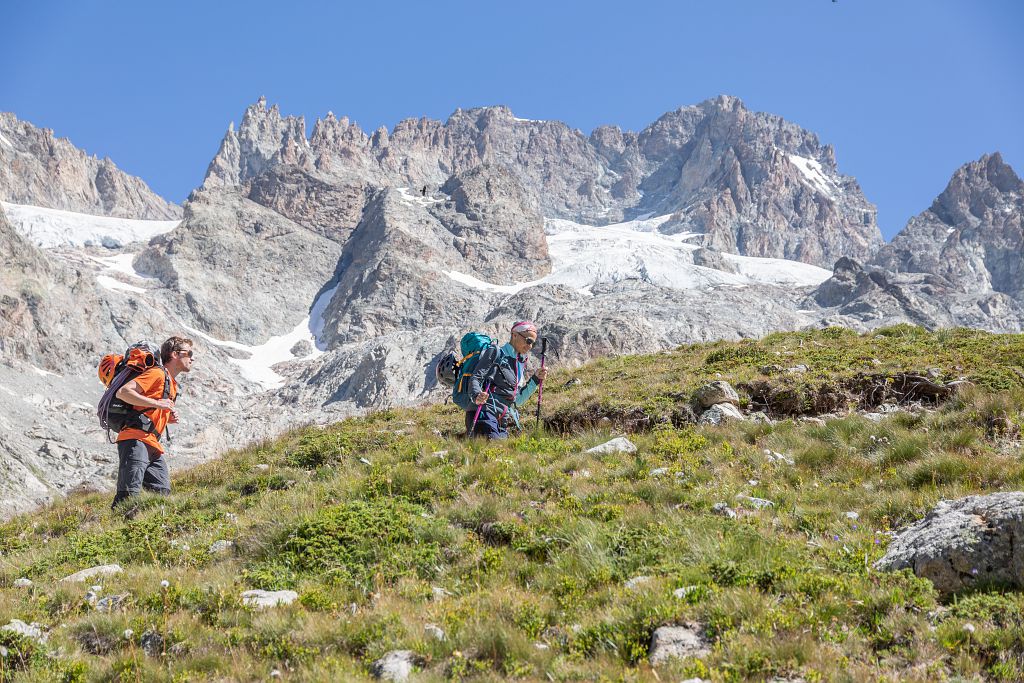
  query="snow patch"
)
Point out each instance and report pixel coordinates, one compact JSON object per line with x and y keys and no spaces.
{"x":108,"y":282}
{"x":416,"y":198}
{"x":584,"y":255}
{"x":43,"y":373}
{"x":812,"y":172}
{"x":122,"y":263}
{"x":259,"y":366}
{"x":5,"y":141}
{"x":516,"y":118}
{"x":48,"y":228}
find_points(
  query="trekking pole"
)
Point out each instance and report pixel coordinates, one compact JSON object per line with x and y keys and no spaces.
{"x":476,"y":417}
{"x":540,"y":384}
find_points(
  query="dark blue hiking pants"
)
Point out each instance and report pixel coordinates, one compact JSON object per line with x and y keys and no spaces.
{"x":488,"y":425}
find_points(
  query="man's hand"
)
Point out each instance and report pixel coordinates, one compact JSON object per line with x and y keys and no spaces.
{"x":541,"y":374}
{"x":480,"y":398}
{"x":174,"y":416}
{"x":165,"y":404}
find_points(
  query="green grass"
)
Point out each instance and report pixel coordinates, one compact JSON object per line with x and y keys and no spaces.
{"x":520,"y":551}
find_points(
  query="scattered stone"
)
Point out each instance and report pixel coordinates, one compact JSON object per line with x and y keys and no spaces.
{"x":572,"y":382}
{"x":440,"y":454}
{"x":670,"y":642}
{"x":807,"y":419}
{"x":439,"y":593}
{"x":874,"y":417}
{"x":542,"y":646}
{"x":276,"y":673}
{"x":86,"y":574}
{"x":969,"y":628}
{"x":962,"y":543}
{"x":771,"y":369}
{"x":852,"y":516}
{"x":435,"y":632}
{"x":756,"y":503}
{"x":934,"y":372}
{"x":580,"y":474}
{"x":617,"y":445}
{"x":231,"y":517}
{"x":364,"y":461}
{"x":221,"y":547}
{"x":22,"y":583}
{"x":760,"y":417}
{"x":684,"y":591}
{"x":301,"y":348}
{"x":778,"y":457}
{"x":396,"y":665}
{"x":719,"y":413}
{"x":261,"y":599}
{"x":659,"y":472}
{"x":112,"y":603}
{"x":715,"y":393}
{"x":33,"y":630}
{"x":263,"y":467}
{"x":636,"y":582}
{"x":798,"y":369}
{"x":152,"y":643}
{"x":724,"y":510}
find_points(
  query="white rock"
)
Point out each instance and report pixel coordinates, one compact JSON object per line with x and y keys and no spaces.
{"x":852,"y":515}
{"x":263,"y":467}
{"x":439,"y":593}
{"x":684,"y":591}
{"x":724,"y":510}
{"x":756,"y":503}
{"x":261,"y":599}
{"x":659,"y":472}
{"x":219,"y":547}
{"x":719,"y":413}
{"x":636,"y":582}
{"x":396,"y":665}
{"x":86,"y":574}
{"x":22,"y":583}
{"x":669,"y":642}
{"x":435,"y":632}
{"x":617,"y":445}
{"x":969,"y":628}
{"x":33,"y":630}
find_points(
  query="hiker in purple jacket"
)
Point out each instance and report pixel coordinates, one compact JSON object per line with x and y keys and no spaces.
{"x":502,"y":371}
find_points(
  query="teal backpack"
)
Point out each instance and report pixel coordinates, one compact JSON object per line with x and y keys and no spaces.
{"x":471,"y":346}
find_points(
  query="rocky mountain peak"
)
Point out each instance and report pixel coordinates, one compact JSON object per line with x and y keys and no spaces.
{"x":39,"y":169}
{"x":977,"y":189}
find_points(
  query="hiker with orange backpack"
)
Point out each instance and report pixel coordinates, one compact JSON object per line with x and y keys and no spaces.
{"x":498,"y":384}
{"x":139,"y":404}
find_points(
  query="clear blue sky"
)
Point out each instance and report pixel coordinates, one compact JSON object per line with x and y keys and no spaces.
{"x":906,"y":90}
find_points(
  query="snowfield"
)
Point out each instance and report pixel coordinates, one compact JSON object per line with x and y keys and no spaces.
{"x":584,"y":255}
{"x":49,"y":228}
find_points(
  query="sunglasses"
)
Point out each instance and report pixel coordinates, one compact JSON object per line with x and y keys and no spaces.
{"x":529,"y":342}
{"x":184,"y":352}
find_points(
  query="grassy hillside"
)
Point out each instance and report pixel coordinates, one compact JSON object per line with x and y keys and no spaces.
{"x":390,"y":527}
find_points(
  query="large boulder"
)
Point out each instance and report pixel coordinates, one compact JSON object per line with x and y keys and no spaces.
{"x":715,"y":393}
{"x":672,"y":642}
{"x":963,"y":543}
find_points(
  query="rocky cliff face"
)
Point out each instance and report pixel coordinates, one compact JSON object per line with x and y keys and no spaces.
{"x":38,"y":169}
{"x":971,"y":235}
{"x":961,"y":262}
{"x":752,"y":183}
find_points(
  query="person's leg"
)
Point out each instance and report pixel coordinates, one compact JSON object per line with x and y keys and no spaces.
{"x":133,"y":459}
{"x":489,"y":426}
{"x":158,"y":475}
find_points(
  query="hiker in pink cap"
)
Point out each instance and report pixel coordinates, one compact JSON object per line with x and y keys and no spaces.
{"x":499,"y":383}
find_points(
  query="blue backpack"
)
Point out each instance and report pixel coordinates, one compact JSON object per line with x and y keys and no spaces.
{"x":471,"y":346}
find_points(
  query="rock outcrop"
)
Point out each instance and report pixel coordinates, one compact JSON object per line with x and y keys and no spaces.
{"x":965,"y":543}
{"x":39,"y":169}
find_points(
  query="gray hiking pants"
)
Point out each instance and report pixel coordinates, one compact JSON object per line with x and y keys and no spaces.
{"x":140,"y":468}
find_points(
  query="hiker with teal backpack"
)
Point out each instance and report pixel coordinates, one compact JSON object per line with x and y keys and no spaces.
{"x":492,"y":382}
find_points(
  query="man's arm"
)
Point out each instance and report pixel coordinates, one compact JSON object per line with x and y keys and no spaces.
{"x":130,"y":394}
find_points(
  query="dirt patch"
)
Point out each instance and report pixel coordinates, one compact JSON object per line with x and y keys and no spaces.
{"x":634,"y":419}
{"x":861,"y":392}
